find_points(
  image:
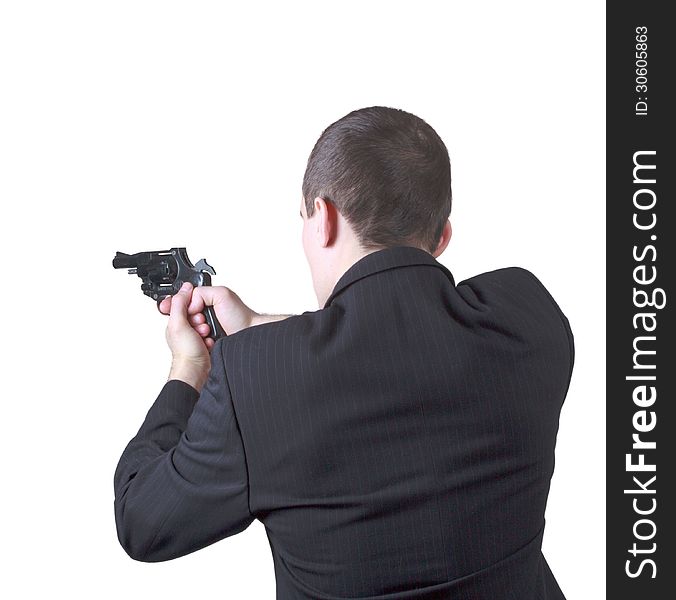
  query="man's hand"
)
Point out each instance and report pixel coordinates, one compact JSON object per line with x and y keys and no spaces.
{"x":231,"y":312}
{"x":187,"y":329}
{"x":185,"y":332}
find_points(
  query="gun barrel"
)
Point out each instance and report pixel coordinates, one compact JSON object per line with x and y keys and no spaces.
{"x":140,"y":259}
{"x":124,"y":261}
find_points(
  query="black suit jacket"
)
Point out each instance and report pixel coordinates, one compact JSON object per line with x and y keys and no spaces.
{"x":396,"y":444}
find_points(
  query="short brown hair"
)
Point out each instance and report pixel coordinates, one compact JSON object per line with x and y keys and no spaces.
{"x":387,"y":172}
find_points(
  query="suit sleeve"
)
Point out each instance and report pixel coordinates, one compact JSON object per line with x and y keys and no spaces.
{"x":181,"y":483}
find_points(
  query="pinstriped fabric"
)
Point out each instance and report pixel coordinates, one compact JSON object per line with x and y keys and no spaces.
{"x":181,"y":471}
{"x":398,"y":443}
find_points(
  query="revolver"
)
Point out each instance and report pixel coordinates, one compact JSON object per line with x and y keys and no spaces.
{"x":163,"y":272}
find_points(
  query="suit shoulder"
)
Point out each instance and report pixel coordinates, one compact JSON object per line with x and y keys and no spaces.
{"x":518,"y":283}
{"x":504,"y":276}
{"x":262,"y":361}
{"x":519,"y":273}
{"x":286,"y":331}
{"x":517,"y":278}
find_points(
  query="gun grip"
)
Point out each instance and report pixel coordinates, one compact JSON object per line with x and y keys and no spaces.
{"x":217,"y":331}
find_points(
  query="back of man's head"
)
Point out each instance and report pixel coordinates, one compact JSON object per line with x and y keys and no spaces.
{"x":388,"y":174}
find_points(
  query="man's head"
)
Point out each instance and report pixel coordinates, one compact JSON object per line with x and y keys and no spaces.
{"x":378,"y":177}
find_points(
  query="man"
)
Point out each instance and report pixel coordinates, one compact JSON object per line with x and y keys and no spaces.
{"x":396,"y":443}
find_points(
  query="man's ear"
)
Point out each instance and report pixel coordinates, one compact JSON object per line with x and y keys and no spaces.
{"x":326,"y":221}
{"x":446,"y":234}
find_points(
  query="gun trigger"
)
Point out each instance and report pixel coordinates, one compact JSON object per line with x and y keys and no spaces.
{"x":203,"y":265}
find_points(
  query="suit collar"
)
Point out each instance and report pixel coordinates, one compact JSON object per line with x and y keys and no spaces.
{"x":382,"y":260}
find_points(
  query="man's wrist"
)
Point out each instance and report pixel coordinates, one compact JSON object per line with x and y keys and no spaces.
{"x":259,"y":319}
{"x":189,"y":373}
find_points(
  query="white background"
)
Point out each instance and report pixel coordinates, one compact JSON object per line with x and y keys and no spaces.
{"x":142,"y":125}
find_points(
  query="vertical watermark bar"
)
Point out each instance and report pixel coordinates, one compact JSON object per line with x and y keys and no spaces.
{"x":641,"y":337}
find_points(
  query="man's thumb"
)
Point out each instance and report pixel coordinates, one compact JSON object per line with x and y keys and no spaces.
{"x":180,"y":301}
